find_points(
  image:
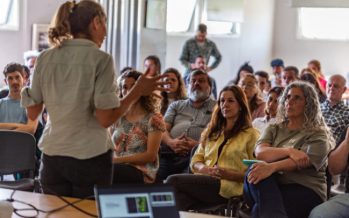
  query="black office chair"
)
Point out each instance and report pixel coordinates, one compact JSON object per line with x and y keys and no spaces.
{"x":17,"y":155}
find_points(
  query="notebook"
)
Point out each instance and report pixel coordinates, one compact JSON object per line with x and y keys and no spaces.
{"x":136,"y":201}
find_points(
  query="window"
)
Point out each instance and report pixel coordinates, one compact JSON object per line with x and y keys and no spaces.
{"x":185,"y":15}
{"x":9,"y":15}
{"x":324,"y":23}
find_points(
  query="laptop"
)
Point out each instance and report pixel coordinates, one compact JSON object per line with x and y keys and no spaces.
{"x":136,"y":201}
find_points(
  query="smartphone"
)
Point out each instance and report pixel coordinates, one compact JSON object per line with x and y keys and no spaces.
{"x":250,"y":162}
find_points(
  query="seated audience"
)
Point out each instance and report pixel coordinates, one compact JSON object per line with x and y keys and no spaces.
{"x":277,"y":66}
{"x":137,"y":136}
{"x":262,"y":81}
{"x":217,"y":163}
{"x":310,"y":78}
{"x":201,"y":64}
{"x":4,"y":92}
{"x":261,"y":123}
{"x":185,"y":120}
{"x":12,"y":115}
{"x":289,"y":75}
{"x":176,"y":89}
{"x":244,"y":70}
{"x":335,"y":112}
{"x":337,"y":206}
{"x":291,"y":180}
{"x":315,"y":65}
{"x":153,"y":63}
{"x":248,"y":83}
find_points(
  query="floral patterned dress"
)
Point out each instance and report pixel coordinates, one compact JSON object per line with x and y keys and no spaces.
{"x":131,"y":138}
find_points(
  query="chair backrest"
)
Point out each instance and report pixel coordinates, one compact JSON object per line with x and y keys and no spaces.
{"x":17,"y":152}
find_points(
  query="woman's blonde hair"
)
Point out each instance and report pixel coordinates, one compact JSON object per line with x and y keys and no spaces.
{"x":73,"y":19}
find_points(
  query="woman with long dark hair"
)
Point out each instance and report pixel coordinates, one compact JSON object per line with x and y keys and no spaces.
{"x":217,"y":163}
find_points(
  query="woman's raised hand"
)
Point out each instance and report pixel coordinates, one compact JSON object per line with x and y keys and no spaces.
{"x":146,"y":84}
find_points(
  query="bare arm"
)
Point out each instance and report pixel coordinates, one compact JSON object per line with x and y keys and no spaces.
{"x":231,"y":175}
{"x":166,"y":138}
{"x":268,"y":153}
{"x":260,"y":171}
{"x":338,"y":159}
{"x":150,"y":155}
{"x":34,"y":111}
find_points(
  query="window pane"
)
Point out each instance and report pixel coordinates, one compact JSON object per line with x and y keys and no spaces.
{"x":179,"y":15}
{"x":9,"y":14}
{"x":324,"y":23}
{"x":5,"y":6}
{"x":218,"y":27}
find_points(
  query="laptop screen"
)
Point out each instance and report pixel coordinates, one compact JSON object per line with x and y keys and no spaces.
{"x":140,"y":201}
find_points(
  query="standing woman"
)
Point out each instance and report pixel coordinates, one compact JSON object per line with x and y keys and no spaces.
{"x":217,"y":163}
{"x":137,"y":137}
{"x":176,"y":89}
{"x":75,"y":82}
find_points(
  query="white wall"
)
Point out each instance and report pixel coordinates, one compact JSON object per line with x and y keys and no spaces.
{"x":333,"y":55}
{"x":254,"y":44}
{"x":14,"y":43}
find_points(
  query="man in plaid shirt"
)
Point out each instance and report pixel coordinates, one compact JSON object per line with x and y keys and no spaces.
{"x":335,"y":112}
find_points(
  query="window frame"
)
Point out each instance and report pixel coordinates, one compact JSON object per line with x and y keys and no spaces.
{"x":199,"y":16}
{"x":301,"y":36}
{"x":13,"y":12}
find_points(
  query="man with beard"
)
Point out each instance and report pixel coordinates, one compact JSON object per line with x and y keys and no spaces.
{"x":185,"y":120}
{"x":12,"y":115}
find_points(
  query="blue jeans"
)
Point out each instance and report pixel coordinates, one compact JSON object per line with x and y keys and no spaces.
{"x":268,"y":199}
{"x":336,"y":207}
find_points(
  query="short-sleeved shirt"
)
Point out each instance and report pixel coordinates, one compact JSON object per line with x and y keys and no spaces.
{"x":72,"y":82}
{"x":11,"y":111}
{"x":132,"y":138}
{"x":184,"y":118}
{"x":313,"y":142}
{"x":337,"y":118}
